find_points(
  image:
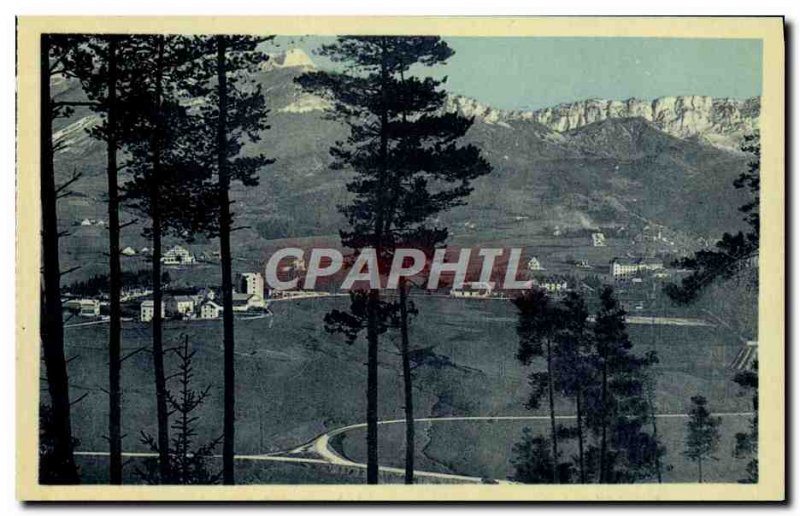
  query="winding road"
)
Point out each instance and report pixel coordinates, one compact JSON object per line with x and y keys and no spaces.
{"x":320,"y":451}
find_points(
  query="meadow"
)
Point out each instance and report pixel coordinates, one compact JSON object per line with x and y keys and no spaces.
{"x":295,"y":381}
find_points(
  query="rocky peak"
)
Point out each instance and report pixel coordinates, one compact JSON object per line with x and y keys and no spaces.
{"x":291,"y":58}
{"x":718,"y":121}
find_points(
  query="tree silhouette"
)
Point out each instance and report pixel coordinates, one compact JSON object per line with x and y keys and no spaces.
{"x":703,"y":434}
{"x":170,"y":182}
{"x":188,"y":463}
{"x":617,"y":403}
{"x":733,"y":251}
{"x":106,"y":80}
{"x":532,"y":460}
{"x":54,"y":59}
{"x":538,"y":321}
{"x":747,"y":442}
{"x":235,"y":112}
{"x":375,"y":99}
{"x":572,"y":362}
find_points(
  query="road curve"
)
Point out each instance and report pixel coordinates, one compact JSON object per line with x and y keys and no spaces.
{"x":321,"y":446}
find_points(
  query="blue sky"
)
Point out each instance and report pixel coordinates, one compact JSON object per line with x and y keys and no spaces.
{"x":527,"y":73}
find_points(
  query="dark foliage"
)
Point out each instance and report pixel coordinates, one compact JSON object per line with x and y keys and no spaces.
{"x":408,"y":167}
{"x":747,"y":442}
{"x":702,"y":437}
{"x":49,"y":461}
{"x":732,"y":252}
{"x":188,"y":461}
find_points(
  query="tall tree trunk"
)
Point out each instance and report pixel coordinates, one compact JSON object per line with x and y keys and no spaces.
{"x":372,"y":387}
{"x":551,"y":399}
{"x":700,"y":469}
{"x":115,"y":275}
{"x":225,"y":263}
{"x":604,"y":423}
{"x":579,"y":417}
{"x":373,"y":302}
{"x":52,"y":329}
{"x":158,"y":345}
{"x":408,"y":388}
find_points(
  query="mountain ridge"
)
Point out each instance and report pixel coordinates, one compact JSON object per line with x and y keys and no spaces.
{"x":716,"y":121}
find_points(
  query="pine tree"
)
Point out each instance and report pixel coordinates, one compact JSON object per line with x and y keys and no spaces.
{"x":747,"y":442}
{"x":189,"y":463}
{"x":703,"y":434}
{"x":573,"y":365}
{"x":733,"y":251}
{"x":392,"y":120}
{"x":617,"y":406}
{"x":55,"y":56}
{"x":538,"y":321}
{"x":170,"y":182}
{"x":532,"y":460}
{"x":106,"y":79}
{"x":427,"y":153}
{"x":233,"y":113}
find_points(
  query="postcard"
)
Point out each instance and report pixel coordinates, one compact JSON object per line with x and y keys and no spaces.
{"x":400,"y":259}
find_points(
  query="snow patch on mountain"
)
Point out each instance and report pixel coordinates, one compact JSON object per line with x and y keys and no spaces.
{"x":292,"y":58}
{"x":74,"y":137}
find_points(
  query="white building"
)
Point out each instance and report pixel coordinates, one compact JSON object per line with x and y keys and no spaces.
{"x":89,"y":308}
{"x":129,"y":251}
{"x":534,"y":264}
{"x":251,"y":283}
{"x":476,"y":289}
{"x":181,"y":305}
{"x":209,"y":309}
{"x":626,"y":269}
{"x":245,"y":302}
{"x":598,"y":240}
{"x":178,"y":255}
{"x":146,"y":311}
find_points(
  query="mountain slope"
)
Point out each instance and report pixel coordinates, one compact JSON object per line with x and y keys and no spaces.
{"x":619,"y":172}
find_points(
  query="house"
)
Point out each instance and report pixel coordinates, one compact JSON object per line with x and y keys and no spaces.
{"x":476,"y":289}
{"x":251,"y":283}
{"x":86,"y":222}
{"x":89,"y":308}
{"x":84,"y":307}
{"x":244,"y":302}
{"x":622,"y":269}
{"x":209,"y":309}
{"x":146,"y":311}
{"x":598,"y":240}
{"x":534,"y":264}
{"x":178,"y":255}
{"x":129,"y":251}
{"x":181,"y":305}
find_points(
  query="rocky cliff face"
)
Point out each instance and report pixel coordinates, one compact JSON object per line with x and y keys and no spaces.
{"x":720,"y":122}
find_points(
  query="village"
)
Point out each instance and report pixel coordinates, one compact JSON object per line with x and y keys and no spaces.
{"x":637,"y":279}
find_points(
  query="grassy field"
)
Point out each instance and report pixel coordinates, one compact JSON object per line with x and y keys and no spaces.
{"x":294,"y":382}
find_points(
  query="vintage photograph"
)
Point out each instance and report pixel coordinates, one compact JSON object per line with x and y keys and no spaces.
{"x":341,"y":258}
